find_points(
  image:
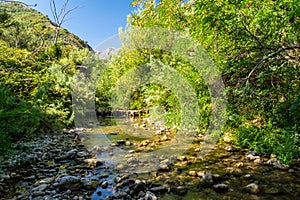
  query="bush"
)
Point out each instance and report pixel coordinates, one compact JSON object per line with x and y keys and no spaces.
{"x":17,"y":119}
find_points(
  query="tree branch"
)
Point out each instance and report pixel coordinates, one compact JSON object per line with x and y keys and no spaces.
{"x":271,"y":55}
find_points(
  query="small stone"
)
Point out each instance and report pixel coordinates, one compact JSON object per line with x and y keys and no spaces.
{"x":90,"y":185}
{"x":239,"y":164}
{"x":40,"y":188}
{"x":182,"y":158}
{"x":104,"y":176}
{"x":221,"y":188}
{"x":118,"y":179}
{"x":207,"y":180}
{"x":247,"y":176}
{"x":192,"y":173}
{"x":127,"y":143}
{"x":165,"y":138}
{"x":121,"y":142}
{"x":99,"y":193}
{"x":139,"y":186}
{"x":131,"y":151}
{"x":258,"y":161}
{"x":94,"y":162}
{"x":164,"y":168}
{"x":132,"y":160}
{"x":150,"y":196}
{"x":104,"y":185}
{"x":252,"y":188}
{"x":231,"y":149}
{"x":197,"y":150}
{"x":252,"y":157}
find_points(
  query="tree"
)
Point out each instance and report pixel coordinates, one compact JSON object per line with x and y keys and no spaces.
{"x":59,"y":16}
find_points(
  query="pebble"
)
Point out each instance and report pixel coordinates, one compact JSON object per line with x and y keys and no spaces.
{"x":221,"y":188}
{"x":252,"y":188}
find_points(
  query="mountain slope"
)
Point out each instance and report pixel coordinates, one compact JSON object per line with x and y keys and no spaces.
{"x":31,"y":29}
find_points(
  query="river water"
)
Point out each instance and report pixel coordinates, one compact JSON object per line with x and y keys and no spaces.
{"x":131,"y":148}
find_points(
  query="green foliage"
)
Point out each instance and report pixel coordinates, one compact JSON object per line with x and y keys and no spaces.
{"x":36,"y":76}
{"x":256,"y":45}
{"x":17,"y":118}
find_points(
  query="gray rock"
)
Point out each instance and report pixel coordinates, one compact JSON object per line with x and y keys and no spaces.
{"x":231,"y":149}
{"x":132,"y":160}
{"x":121,"y":142}
{"x":207,"y":180}
{"x":221,"y":188}
{"x":70,"y":182}
{"x":40,"y":188}
{"x":94,"y":162}
{"x":164,"y":167}
{"x":90,"y":185}
{"x":150,"y":196}
{"x":252,"y":188}
{"x":119,"y":195}
{"x":69,"y":154}
{"x":104,"y":184}
{"x":139,"y":186}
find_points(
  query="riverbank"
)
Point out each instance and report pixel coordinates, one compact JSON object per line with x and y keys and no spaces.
{"x":62,"y":167}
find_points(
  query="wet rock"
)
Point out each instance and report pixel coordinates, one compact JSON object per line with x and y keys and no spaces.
{"x":90,"y":185}
{"x":104,"y":175}
{"x":231,"y":149}
{"x":207,"y":180}
{"x":221,"y":188}
{"x":94,"y":162}
{"x":252,"y":188}
{"x":150,"y":196}
{"x":118,"y":179}
{"x":104,"y":185}
{"x":180,"y":190}
{"x":68,"y":155}
{"x":132,"y":160}
{"x":46,"y":181}
{"x":131,"y":151}
{"x":139,"y":186}
{"x":121,"y":142}
{"x":40,"y":188}
{"x":119,"y":195}
{"x":164,"y":167}
{"x":70,"y":182}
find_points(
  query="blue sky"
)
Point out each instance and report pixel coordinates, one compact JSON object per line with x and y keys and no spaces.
{"x":94,"y":21}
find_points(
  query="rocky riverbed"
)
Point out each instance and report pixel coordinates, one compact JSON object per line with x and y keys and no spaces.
{"x":70,"y":166}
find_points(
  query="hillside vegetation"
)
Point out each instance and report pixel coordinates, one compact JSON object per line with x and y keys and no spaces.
{"x":35,"y":73}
